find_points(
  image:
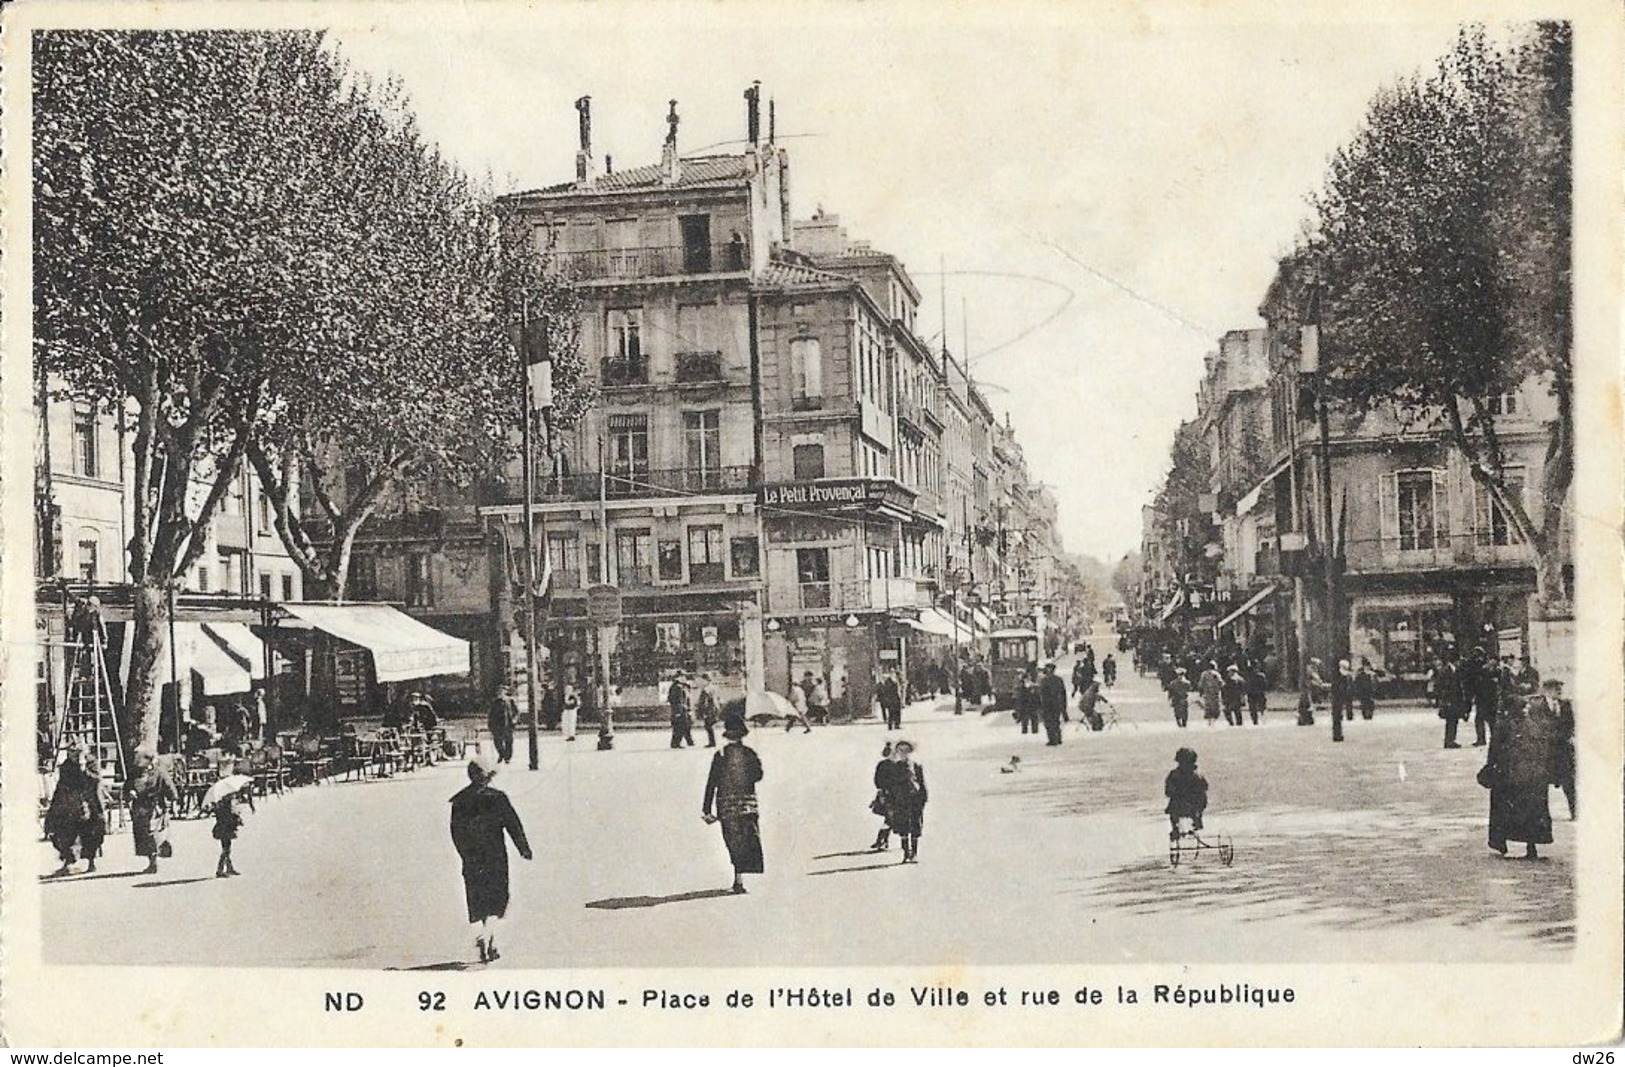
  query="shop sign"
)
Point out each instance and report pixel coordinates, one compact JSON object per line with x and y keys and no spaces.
{"x":834,"y":493}
{"x":888,"y":653}
{"x":708,"y":634}
{"x":604,"y":605}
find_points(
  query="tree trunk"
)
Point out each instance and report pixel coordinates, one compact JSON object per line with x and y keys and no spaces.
{"x":149,"y":666}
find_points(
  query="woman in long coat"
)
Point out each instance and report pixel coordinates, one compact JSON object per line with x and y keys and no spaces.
{"x":904,"y":785}
{"x":1522,"y":756}
{"x":1211,"y":686}
{"x":878,"y":805}
{"x":730,"y":789}
{"x":71,"y":809}
{"x":151,"y":793}
{"x":480,"y":817}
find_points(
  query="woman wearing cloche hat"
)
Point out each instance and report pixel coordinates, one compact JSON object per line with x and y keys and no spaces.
{"x":480,"y":815}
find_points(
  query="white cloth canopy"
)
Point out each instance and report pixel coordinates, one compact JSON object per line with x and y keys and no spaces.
{"x":401,"y":646}
{"x":199,"y":651}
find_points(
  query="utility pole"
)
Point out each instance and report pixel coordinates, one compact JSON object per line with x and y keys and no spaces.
{"x":1330,"y":550}
{"x":604,"y":632}
{"x":527,"y":463}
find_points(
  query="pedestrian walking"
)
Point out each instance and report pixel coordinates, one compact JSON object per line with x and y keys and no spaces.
{"x":798,"y":710}
{"x":152,"y":795}
{"x":1549,"y":705}
{"x":1089,"y":702}
{"x":1179,"y":696}
{"x":75,"y":803}
{"x":1447,"y":690}
{"x":1026,"y":705}
{"x":705,"y":704}
{"x":1365,"y":689}
{"x":1233,"y":692}
{"x":1211,"y":686}
{"x":681,"y":720}
{"x":1258,"y":685}
{"x":1052,"y":703}
{"x":228,"y":822}
{"x":891,"y":701}
{"x":878,"y":804}
{"x":1078,"y":684}
{"x":500,"y":720}
{"x":1519,"y":772}
{"x":903,"y":783}
{"x":730,"y":789}
{"x":1482,"y":684}
{"x":482,"y":820}
{"x":1108,"y":670}
{"x":1343,"y":692}
{"x":818,"y":702}
{"x":1319,"y":690}
{"x":1186,"y":791}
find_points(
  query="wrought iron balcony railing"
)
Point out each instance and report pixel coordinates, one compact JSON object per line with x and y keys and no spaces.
{"x":630,"y":263}
{"x":623,"y":484}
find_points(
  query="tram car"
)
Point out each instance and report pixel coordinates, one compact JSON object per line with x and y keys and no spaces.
{"x":1013,"y":655}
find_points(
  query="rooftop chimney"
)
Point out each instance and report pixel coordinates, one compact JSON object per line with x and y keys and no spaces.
{"x":771,"y":124}
{"x":753,"y":113}
{"x":671,"y":167}
{"x":584,"y":152}
{"x":609,"y":164}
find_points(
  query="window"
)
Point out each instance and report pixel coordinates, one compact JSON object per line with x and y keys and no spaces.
{"x":696,"y":243}
{"x":705,"y":554}
{"x":670,"y":555}
{"x":621,"y":244}
{"x":1417,"y":505}
{"x":809,"y":461}
{"x":1492,"y":524}
{"x":265,"y":586}
{"x":564,"y":557}
{"x":267,"y":520}
{"x":629,"y":444}
{"x":364,"y":576}
{"x":696,"y":328}
{"x":287,"y":587}
{"x":702,"y":432}
{"x":89,"y":555}
{"x":812,"y":574}
{"x":84,"y":440}
{"x":744,"y":556}
{"x":419,"y":592}
{"x":633,"y":550}
{"x":232,"y":502}
{"x":202,"y":579}
{"x":1503,"y":404}
{"x":625,"y":363}
{"x":595,"y":561}
{"x":230,"y":577}
{"x":807,"y":372}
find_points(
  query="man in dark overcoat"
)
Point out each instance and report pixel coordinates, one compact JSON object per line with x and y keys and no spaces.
{"x":1052,"y":703}
{"x":480,"y":817}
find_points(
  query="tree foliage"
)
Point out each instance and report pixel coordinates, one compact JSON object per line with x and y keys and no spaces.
{"x":1441,"y":253}
{"x":254,"y":255}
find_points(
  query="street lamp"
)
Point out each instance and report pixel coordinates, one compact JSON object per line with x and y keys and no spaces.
{"x":1331,"y":550}
{"x":536,"y":394}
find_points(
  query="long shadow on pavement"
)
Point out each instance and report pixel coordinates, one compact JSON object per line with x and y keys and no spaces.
{"x":449,"y":965}
{"x":844,"y":855}
{"x":69,"y":879}
{"x":849,"y":870}
{"x":172,"y":881}
{"x":616,"y":903}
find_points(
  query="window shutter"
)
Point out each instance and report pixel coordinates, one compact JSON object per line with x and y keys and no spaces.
{"x":1441,"y":508}
{"x":1388,"y":511}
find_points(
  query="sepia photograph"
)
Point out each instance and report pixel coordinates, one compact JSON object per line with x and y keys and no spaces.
{"x":971,"y":525}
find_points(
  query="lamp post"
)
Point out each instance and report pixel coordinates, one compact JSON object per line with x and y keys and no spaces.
{"x":1331,"y":550}
{"x":536,"y":394}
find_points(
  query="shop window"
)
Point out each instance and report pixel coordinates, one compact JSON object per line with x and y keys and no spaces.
{"x":812,"y":574}
{"x":670,"y":556}
{"x":744,"y":557}
{"x":808,"y":461}
{"x":705,"y":554}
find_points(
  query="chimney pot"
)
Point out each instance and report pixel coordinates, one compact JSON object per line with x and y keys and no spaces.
{"x":753,"y":113}
{"x":584,"y":151}
{"x":670,"y":165}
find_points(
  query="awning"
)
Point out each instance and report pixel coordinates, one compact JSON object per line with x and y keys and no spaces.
{"x":401,"y":646}
{"x":240,"y":642}
{"x":199,"y":652}
{"x":1172,"y":606}
{"x":1252,"y":602}
{"x":1250,"y":500}
{"x":1013,"y":632}
{"x":937,"y":622}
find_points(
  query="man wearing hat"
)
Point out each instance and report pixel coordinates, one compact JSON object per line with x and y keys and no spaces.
{"x":1052,"y":703}
{"x":1179,"y":696}
{"x":731,"y":789}
{"x":480,"y":816}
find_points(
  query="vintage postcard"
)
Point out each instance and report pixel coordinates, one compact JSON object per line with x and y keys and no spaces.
{"x":760,"y":523}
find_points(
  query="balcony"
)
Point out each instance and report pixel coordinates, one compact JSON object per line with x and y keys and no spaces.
{"x":622,"y":372}
{"x":806,"y":403}
{"x":630,"y":484}
{"x":908,"y":409}
{"x":626,"y":264}
{"x":696,"y":367}
{"x":635,"y":576}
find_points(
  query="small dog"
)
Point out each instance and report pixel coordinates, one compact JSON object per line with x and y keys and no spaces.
{"x":1012,"y":767}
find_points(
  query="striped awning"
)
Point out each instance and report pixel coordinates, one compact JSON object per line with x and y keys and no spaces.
{"x":1251,"y":603}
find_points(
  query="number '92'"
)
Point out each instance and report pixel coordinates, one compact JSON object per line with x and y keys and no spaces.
{"x":437,"y":1002}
